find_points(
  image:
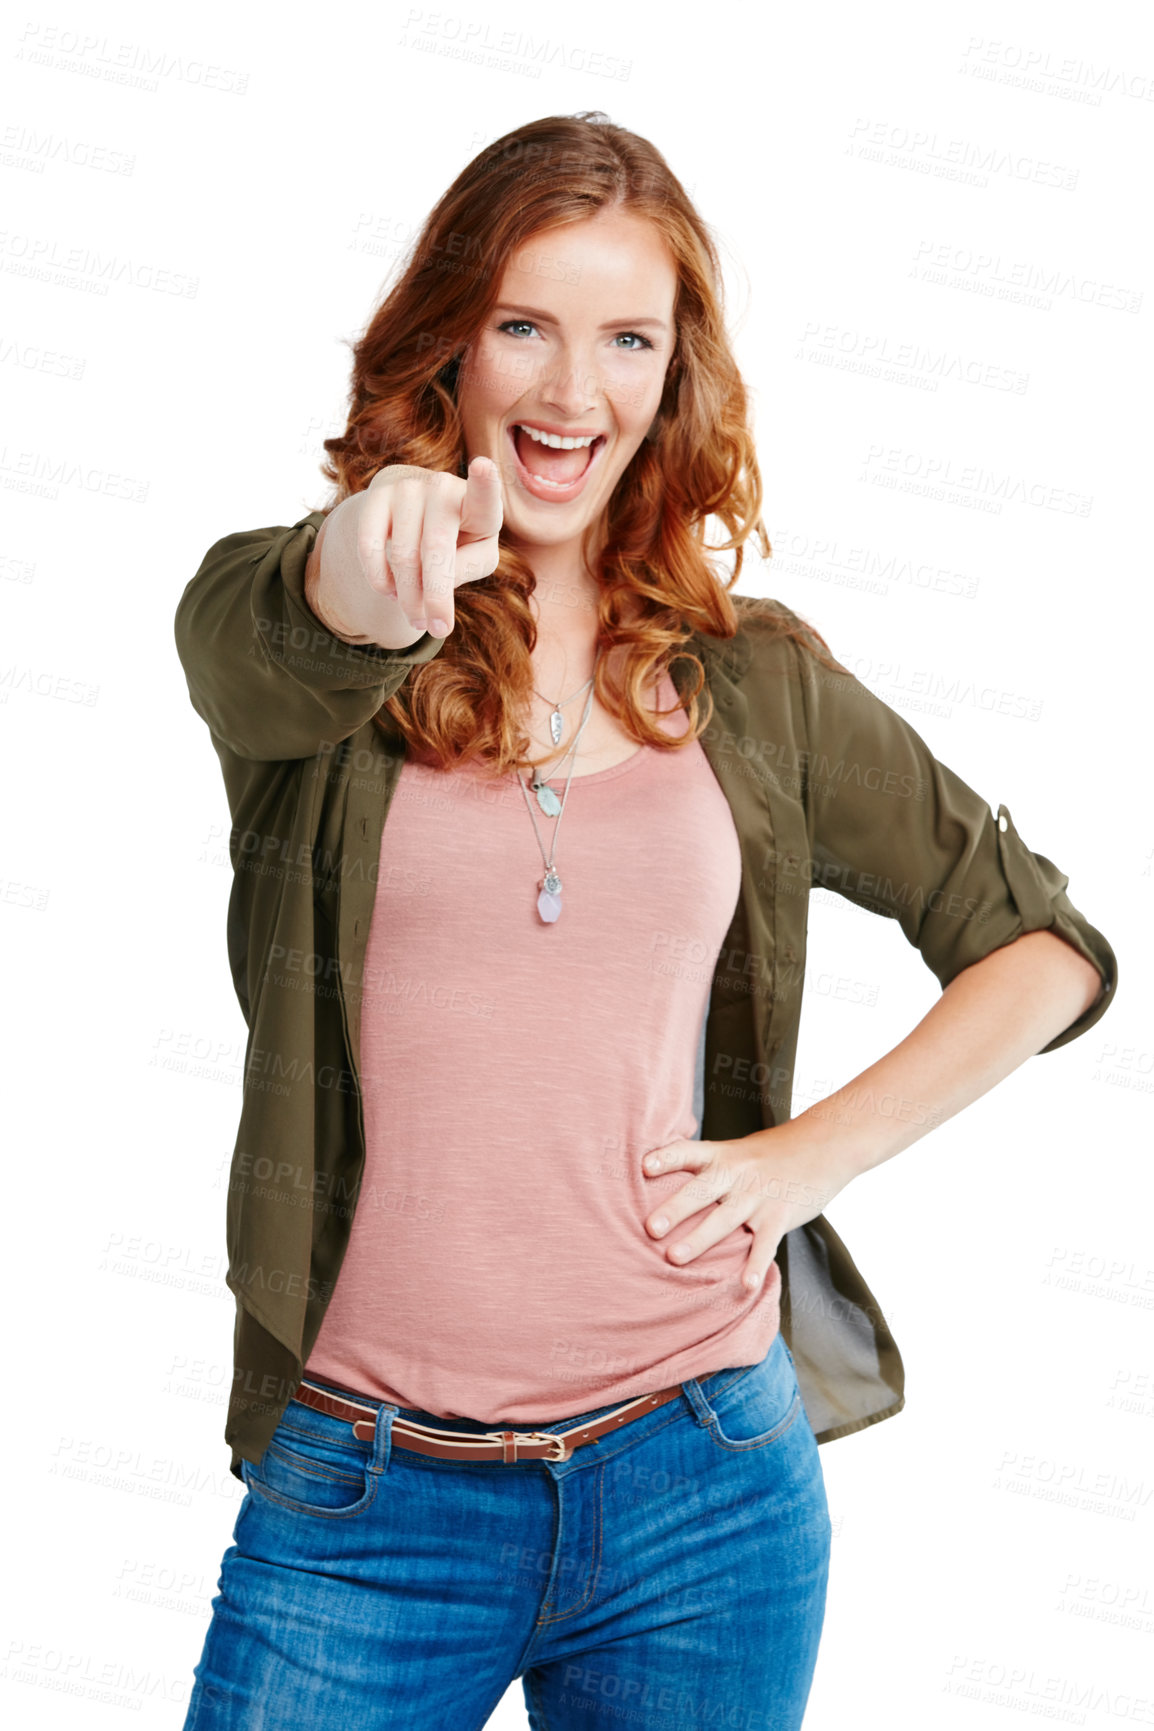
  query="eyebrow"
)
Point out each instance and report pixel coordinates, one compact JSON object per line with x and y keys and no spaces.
{"x":548,"y":319}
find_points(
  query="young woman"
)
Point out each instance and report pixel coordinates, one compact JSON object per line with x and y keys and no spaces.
{"x":539,"y":1318}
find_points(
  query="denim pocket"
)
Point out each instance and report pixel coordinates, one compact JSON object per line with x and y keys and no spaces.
{"x":756,"y":1406}
{"x":312,"y":1473}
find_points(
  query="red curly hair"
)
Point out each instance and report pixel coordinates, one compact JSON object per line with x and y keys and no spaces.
{"x":657,"y":585}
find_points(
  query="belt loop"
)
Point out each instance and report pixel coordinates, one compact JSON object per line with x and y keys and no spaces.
{"x":508,"y":1447}
{"x":383,"y":1438}
{"x":698,"y":1404}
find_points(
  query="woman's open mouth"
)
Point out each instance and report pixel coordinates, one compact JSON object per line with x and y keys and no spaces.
{"x":549,"y":473}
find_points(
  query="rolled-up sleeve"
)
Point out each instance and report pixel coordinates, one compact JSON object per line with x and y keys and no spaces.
{"x":897,"y":831}
{"x":269,"y":679}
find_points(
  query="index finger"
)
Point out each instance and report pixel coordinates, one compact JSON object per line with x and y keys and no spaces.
{"x":483,"y":510}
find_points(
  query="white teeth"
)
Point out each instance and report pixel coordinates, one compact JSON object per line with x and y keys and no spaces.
{"x":556,"y":441}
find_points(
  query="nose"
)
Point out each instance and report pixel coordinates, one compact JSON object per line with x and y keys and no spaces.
{"x":572,"y":388}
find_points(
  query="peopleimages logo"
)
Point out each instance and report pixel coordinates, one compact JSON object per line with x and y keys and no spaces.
{"x":1024,"y":282}
{"x":941,"y":478}
{"x":960,"y":159}
{"x":1041,"y":70}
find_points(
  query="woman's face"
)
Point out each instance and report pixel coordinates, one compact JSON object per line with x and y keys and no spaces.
{"x":578,"y":344}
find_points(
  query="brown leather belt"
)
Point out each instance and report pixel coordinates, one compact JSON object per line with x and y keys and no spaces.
{"x":506,"y":1446}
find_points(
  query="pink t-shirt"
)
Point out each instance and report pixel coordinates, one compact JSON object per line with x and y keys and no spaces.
{"x":514,"y":1075}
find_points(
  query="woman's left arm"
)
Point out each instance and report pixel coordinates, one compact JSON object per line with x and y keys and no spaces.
{"x":990,"y":1018}
{"x":1022,"y":970}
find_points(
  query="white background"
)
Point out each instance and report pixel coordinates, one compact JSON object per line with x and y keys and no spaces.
{"x":992,"y":1543}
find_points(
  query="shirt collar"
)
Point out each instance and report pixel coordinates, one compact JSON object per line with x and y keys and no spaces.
{"x":725,"y":659}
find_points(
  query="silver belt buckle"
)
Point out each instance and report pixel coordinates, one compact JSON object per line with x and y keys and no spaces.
{"x":557,"y":1441}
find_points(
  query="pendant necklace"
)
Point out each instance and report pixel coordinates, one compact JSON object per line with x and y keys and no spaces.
{"x":555,"y":722}
{"x":549,"y":887}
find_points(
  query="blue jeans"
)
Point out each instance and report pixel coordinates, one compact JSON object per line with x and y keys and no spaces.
{"x":670,"y":1574}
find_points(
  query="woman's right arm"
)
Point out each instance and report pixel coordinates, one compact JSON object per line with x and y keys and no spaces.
{"x":290,"y":643}
{"x":264,"y":672}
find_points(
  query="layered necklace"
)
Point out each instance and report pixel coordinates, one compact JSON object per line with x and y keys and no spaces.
{"x":549,"y":886}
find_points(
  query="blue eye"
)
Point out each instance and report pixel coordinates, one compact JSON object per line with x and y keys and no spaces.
{"x":527,"y":324}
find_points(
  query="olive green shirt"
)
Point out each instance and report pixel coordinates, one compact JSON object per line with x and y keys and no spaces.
{"x":828,"y":786}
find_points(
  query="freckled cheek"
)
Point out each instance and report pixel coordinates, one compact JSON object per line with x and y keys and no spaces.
{"x":495,"y":383}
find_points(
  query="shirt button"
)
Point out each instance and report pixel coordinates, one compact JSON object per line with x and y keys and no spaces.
{"x":790,"y":955}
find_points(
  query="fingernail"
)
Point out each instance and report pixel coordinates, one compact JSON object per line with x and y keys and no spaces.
{"x":418,"y":624}
{"x":438,"y":627}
